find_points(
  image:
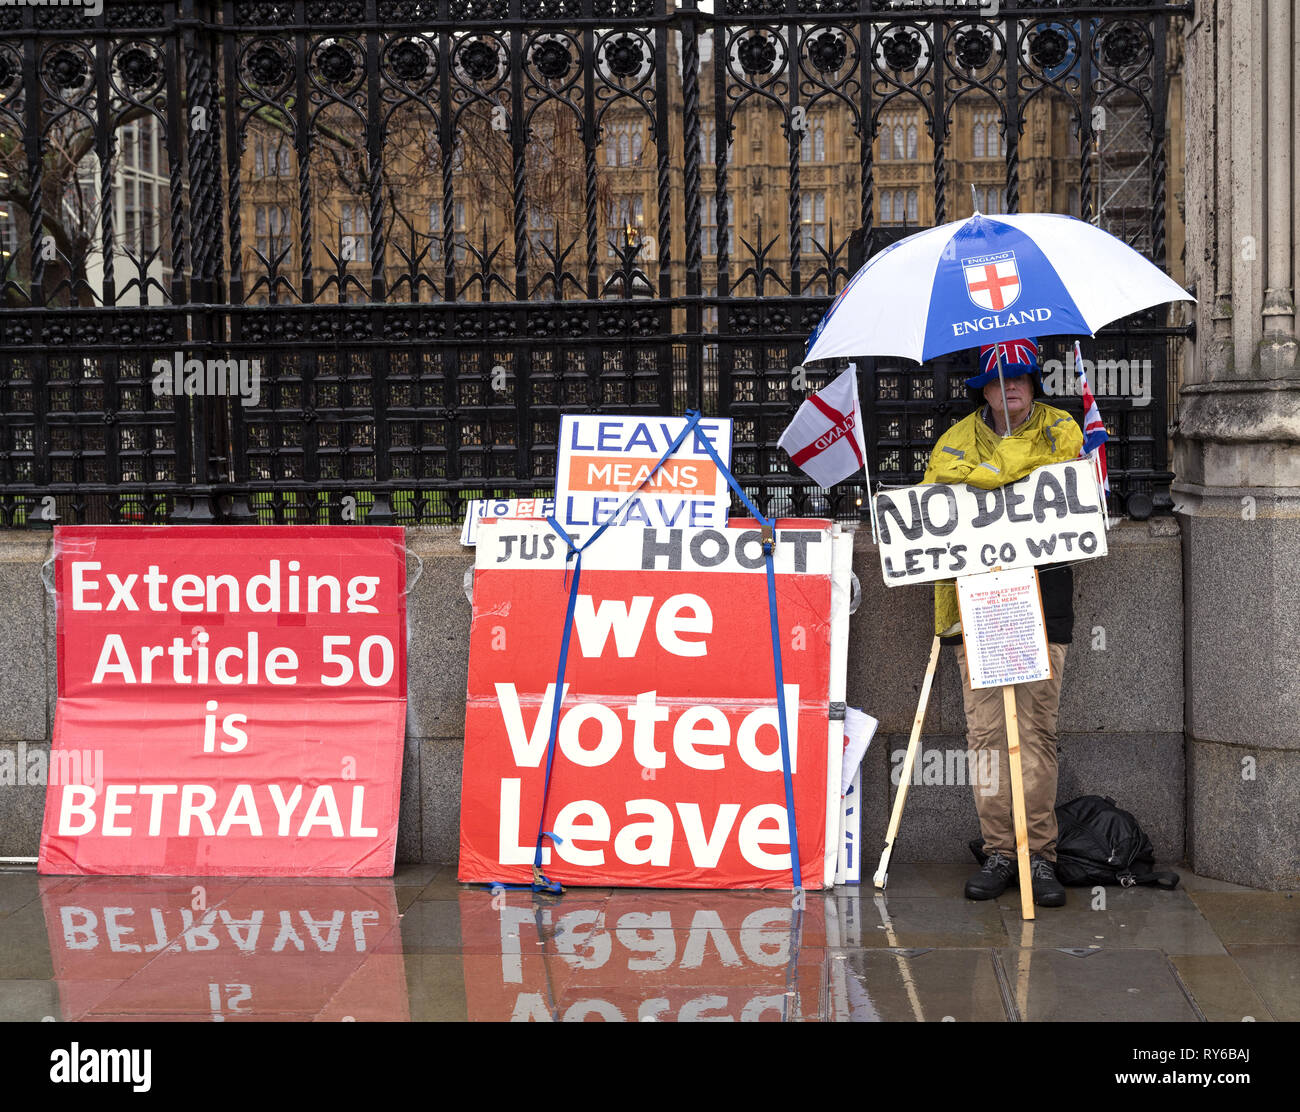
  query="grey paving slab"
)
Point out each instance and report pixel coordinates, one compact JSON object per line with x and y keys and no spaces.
{"x":1106,"y":986}
{"x":1175,"y":929}
{"x":25,"y":945}
{"x":1220,"y":989}
{"x":435,"y":985}
{"x":416,"y":874}
{"x":407,"y":895}
{"x":1189,"y":881}
{"x":433,"y":927}
{"x":1274,"y":972}
{"x":17,"y":890}
{"x":29,"y":1001}
{"x":443,"y":885}
{"x":1252,"y":918}
{"x":917,"y":921}
{"x":934,"y":986}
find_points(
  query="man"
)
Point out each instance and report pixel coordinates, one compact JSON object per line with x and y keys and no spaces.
{"x":975,"y":451}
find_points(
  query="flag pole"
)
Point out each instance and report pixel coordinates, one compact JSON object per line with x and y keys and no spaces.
{"x":1095,"y":454}
{"x":866,"y":467}
{"x":1002,"y":385}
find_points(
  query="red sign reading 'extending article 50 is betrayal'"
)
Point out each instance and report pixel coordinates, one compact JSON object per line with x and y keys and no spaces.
{"x":237,"y":696}
{"x":667,"y":769}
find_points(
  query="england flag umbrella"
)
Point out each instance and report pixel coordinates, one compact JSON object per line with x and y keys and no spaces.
{"x":987,"y":279}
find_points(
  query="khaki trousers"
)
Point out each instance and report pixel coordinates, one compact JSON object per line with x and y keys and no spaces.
{"x":986,"y":738}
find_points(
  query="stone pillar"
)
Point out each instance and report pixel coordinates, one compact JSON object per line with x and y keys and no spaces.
{"x":1237,"y":445}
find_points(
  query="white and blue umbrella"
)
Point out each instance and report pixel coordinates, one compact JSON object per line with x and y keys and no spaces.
{"x":987,"y":279}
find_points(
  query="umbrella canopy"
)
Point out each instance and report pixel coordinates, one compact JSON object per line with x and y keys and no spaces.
{"x":987,"y":279}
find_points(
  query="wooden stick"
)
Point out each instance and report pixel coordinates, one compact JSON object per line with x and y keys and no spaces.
{"x":1018,"y":801}
{"x":914,"y":743}
{"x":1022,"y":973}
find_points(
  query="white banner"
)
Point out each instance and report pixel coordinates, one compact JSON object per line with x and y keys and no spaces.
{"x":492,"y":509}
{"x":534,"y":544}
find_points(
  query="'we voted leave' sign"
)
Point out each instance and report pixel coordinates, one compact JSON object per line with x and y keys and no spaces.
{"x":667,"y":770}
{"x":603,"y":460}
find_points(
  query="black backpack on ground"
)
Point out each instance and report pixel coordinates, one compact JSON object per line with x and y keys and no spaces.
{"x":1097,"y":843}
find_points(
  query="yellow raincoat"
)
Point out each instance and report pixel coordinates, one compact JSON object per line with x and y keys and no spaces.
{"x":971,"y":452}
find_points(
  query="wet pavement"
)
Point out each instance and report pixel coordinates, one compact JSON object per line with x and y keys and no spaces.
{"x":423,"y":947}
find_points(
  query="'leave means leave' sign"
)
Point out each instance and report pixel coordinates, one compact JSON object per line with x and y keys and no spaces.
{"x":602,"y":460}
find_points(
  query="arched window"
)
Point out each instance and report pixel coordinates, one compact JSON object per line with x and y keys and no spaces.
{"x":623,"y":141}
{"x":987,"y":140}
{"x":813,"y":227}
{"x":898,"y":140}
{"x":911,"y":140}
{"x":912,"y":207}
{"x":886,"y":208}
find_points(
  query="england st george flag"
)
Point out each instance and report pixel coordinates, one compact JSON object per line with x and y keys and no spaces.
{"x":825,"y":438}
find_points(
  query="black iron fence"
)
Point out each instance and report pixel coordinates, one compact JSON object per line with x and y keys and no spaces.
{"x":344,"y":260}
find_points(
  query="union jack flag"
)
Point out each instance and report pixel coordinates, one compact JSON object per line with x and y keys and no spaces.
{"x":1094,"y":429}
{"x":1013,"y":351}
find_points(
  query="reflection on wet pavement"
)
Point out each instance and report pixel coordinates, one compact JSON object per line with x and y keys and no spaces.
{"x":422,"y":947}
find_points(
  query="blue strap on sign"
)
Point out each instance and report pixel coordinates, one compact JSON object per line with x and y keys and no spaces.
{"x":540,"y":881}
{"x":769,"y":546}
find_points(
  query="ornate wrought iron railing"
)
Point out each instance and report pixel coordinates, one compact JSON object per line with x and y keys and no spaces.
{"x":419,"y":219}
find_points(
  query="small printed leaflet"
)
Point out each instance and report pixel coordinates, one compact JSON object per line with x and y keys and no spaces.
{"x":1003,"y":628}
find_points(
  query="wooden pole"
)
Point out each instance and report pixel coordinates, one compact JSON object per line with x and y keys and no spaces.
{"x":1018,"y":801}
{"x":914,"y":743}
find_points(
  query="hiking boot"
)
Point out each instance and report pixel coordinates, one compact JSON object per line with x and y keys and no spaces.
{"x":992,"y":880}
{"x":1048,"y":891}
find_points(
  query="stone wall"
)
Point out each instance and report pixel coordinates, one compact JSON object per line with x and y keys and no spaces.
{"x":1121,"y":705}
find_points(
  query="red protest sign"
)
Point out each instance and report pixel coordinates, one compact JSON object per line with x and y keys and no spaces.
{"x":667,"y":769}
{"x":242,"y":693}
